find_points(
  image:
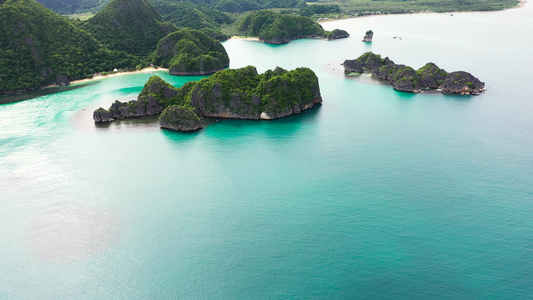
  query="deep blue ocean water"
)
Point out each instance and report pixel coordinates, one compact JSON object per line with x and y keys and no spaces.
{"x":375,"y":194}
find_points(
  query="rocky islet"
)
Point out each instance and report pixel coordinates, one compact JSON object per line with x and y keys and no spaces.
{"x":235,"y":94}
{"x":405,"y":78}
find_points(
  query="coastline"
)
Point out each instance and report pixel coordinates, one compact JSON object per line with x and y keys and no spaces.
{"x":98,"y":77}
{"x":246,"y":38}
{"x":520,"y":4}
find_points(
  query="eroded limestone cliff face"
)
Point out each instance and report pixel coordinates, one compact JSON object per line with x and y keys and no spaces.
{"x":406,"y":79}
{"x":237,"y":94}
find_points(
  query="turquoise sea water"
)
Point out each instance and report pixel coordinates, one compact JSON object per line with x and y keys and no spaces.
{"x":374,"y":194}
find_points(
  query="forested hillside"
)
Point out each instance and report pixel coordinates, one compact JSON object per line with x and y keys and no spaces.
{"x":79,"y":6}
{"x":133,"y":26}
{"x":66,"y":7}
{"x":187,"y":14}
{"x":39,"y":47}
{"x":277,"y":28}
{"x":190,"y":52}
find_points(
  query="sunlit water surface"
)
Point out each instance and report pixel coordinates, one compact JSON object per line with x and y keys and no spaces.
{"x":374,"y":194}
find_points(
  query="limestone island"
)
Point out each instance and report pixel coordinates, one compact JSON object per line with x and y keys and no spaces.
{"x":190,"y":52}
{"x":276,"y":28}
{"x":406,"y":79}
{"x":368,"y":36}
{"x":232,"y":93}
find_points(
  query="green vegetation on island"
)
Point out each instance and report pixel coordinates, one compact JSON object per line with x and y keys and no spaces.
{"x":234,"y":6}
{"x":191,"y":15}
{"x":318,"y":8}
{"x":239,"y":93}
{"x":277,"y":28}
{"x":190,"y":52}
{"x":133,"y":26}
{"x":39,"y":47}
{"x":404,"y":78}
{"x":180,"y":118}
{"x":74,"y":6}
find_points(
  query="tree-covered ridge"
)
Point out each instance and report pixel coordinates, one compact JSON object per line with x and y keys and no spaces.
{"x":308,"y":8}
{"x":133,"y":26}
{"x":191,"y":15}
{"x":248,"y":5}
{"x":190,"y":52}
{"x":39,"y":47}
{"x":80,"y":6}
{"x":238,"y":93}
{"x":277,"y":28}
{"x":74,"y":6}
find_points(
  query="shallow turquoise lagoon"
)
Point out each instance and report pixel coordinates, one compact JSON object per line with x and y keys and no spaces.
{"x":374,"y":194}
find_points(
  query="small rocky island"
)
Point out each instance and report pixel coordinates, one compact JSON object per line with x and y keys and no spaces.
{"x":235,"y":94}
{"x":190,"y":52}
{"x":406,"y":79}
{"x":276,"y":28}
{"x":368,"y":36}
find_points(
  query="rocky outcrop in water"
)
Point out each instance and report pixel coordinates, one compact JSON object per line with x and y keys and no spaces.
{"x":403,"y":78}
{"x":244,"y":94}
{"x":236,"y":94}
{"x":461,"y":82}
{"x":368,"y":36}
{"x":430,"y":76}
{"x":406,"y":79}
{"x":337,"y":34}
{"x":180,"y":118}
{"x":367,"y":61}
{"x":101,"y":115}
{"x":147,"y":103}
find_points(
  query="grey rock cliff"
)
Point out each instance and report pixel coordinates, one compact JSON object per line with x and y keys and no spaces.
{"x":367,"y":61}
{"x":461,"y":82}
{"x":337,"y":34}
{"x":368,"y":36}
{"x":180,"y":118}
{"x":406,"y":79}
{"x":101,"y":115}
{"x":430,"y":76}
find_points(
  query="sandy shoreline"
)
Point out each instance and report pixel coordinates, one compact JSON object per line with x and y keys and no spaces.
{"x":247,"y":38}
{"x":145,"y":70}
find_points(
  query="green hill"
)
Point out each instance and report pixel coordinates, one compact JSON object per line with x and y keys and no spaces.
{"x":39,"y":47}
{"x":190,"y":52}
{"x":133,"y":26}
{"x":74,"y":6}
{"x":187,"y":14}
{"x":276,"y":28}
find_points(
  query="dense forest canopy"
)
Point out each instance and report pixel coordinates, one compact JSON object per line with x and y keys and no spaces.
{"x":133,"y":26}
{"x":80,"y":6}
{"x":277,"y":28}
{"x":190,"y":52}
{"x":39,"y":47}
{"x":188,"y":14}
{"x":361,"y":7}
{"x":74,"y":6}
